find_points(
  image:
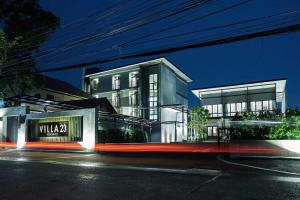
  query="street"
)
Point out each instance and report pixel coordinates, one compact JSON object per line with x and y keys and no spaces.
{"x":57,"y":175}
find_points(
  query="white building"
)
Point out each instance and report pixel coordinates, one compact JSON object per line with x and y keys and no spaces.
{"x":156,"y":90}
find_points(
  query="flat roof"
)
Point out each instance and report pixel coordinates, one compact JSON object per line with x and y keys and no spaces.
{"x":163,"y":60}
{"x":280,"y":86}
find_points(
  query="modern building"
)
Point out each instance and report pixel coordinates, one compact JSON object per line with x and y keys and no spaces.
{"x":227,"y":101}
{"x":155,"y":90}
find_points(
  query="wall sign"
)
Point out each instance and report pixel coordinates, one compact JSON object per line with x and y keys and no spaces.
{"x":53,"y":129}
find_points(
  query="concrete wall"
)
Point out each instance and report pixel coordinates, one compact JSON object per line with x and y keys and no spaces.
{"x":12,"y":126}
{"x":88,"y":123}
{"x":16,"y":130}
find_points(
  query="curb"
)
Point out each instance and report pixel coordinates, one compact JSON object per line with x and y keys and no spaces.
{"x":266,"y":157}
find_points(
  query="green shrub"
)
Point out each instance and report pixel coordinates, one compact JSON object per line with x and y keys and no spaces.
{"x":122,"y":136}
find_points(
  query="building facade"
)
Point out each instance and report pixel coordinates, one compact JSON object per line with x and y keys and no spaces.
{"x":51,"y":90}
{"x":155,"y":90}
{"x":228,"y":101}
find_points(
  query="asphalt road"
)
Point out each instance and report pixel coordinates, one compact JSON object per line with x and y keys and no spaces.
{"x":49,"y":175}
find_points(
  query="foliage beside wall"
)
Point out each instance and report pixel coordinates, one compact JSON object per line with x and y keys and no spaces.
{"x":287,"y":126}
{"x":199,"y":117}
{"x":122,"y":136}
{"x":289,"y":129}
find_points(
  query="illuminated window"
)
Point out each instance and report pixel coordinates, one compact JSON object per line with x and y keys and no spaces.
{"x":94,"y":84}
{"x":232,"y":109}
{"x":133,"y":98}
{"x":271,"y":105}
{"x":134,"y":112}
{"x":257,"y":106}
{"x":215,"y":131}
{"x":253,"y":106}
{"x":133,"y":79}
{"x":209,"y":131}
{"x":116,"y":82}
{"x":215,"y":110}
{"x":212,"y":131}
{"x":153,"y":96}
{"x":244,"y":107}
{"x":116,"y":99}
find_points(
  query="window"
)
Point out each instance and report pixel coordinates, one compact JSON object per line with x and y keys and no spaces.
{"x":215,"y":110}
{"x":257,"y":106}
{"x":116,"y":82}
{"x":215,"y":131}
{"x":94,"y":84}
{"x":133,"y":79}
{"x":232,"y":109}
{"x":252,"y":106}
{"x":116,"y":99}
{"x":265,"y":105}
{"x":209,"y":131}
{"x":134,"y":112}
{"x":153,"y":96}
{"x":50,"y":97}
{"x":212,"y":131}
{"x":133,"y":98}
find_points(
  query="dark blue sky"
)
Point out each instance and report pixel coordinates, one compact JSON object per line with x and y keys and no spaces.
{"x":251,"y":60}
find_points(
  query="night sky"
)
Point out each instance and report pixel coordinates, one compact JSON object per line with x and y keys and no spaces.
{"x":252,"y":60}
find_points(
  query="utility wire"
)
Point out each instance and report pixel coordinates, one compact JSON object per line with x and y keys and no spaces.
{"x":276,"y":31}
{"x":177,"y":10}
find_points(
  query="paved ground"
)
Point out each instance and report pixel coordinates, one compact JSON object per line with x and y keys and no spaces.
{"x":46,"y":175}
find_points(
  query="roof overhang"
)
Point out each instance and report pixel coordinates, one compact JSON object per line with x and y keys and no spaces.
{"x":279,"y":84}
{"x":146,"y":63}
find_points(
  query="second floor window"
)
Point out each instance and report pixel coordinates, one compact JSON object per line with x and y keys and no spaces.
{"x":232,"y":109}
{"x":94,"y":84}
{"x":215,"y":110}
{"x":133,"y":98}
{"x":257,"y":106}
{"x":133,"y":79}
{"x":116,"y":82}
{"x":116,"y":99}
{"x":153,"y":96}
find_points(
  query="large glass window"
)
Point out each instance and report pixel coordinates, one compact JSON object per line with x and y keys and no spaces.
{"x":94,"y":84}
{"x":116,"y":99}
{"x":134,"y":112}
{"x":133,"y":79}
{"x":133,"y":98}
{"x":258,"y":106}
{"x":212,"y":131}
{"x":215,"y":110}
{"x":233,"y":109}
{"x":116,"y":82}
{"x":153,"y":96}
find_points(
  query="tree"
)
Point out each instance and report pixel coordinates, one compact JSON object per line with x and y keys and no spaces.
{"x":26,"y":26}
{"x":5,"y":47}
{"x":198,"y":120}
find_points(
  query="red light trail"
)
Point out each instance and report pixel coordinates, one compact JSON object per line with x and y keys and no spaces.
{"x":154,"y":148}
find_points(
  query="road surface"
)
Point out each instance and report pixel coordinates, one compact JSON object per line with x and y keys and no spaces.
{"x":54,"y":175}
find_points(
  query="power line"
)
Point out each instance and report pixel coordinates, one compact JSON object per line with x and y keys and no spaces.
{"x":276,"y":31}
{"x":187,"y":6}
{"x":251,"y":20}
{"x":186,"y":22}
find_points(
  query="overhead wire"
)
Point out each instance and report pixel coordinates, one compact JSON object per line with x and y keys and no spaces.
{"x":177,"y":10}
